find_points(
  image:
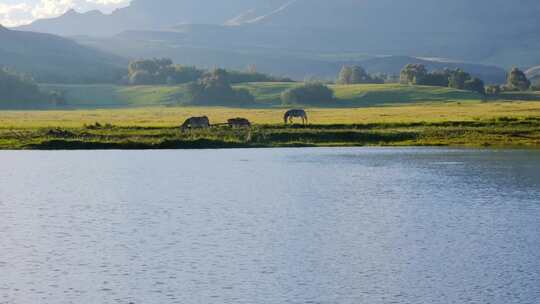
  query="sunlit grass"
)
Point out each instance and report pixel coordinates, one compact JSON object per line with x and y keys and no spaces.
{"x":173,"y":116}
{"x":266,"y":94}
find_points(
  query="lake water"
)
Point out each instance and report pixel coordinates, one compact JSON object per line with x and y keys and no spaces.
{"x":355,"y":225}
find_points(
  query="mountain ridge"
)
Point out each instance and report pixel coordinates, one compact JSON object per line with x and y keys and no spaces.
{"x":462,"y":30}
{"x":50,"y":58}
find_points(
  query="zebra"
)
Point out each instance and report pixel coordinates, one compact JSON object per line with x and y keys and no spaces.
{"x":239,"y":123}
{"x":288,"y":118}
{"x":196,"y":123}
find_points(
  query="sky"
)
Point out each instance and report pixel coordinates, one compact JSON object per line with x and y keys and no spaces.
{"x":18,"y":12}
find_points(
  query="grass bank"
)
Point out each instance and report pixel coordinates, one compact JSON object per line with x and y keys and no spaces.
{"x":504,"y":124}
{"x":494,"y":133}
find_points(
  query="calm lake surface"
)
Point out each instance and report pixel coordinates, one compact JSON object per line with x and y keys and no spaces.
{"x":354,"y":225}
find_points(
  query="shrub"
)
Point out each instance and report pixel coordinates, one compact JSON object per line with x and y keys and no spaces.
{"x":215,"y":89}
{"x":308,"y":94}
{"x":475,"y":85}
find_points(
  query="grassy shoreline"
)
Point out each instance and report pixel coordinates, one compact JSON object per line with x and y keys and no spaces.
{"x":476,"y":124}
{"x":504,"y":132}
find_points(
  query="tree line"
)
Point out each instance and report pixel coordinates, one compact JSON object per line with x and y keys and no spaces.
{"x":162,"y":71}
{"x":417,"y":74}
{"x":318,"y":93}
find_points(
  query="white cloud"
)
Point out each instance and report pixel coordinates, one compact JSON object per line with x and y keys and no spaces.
{"x":25,"y":12}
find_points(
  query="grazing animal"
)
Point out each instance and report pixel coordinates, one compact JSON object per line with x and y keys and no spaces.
{"x":239,"y":123}
{"x":288,"y":118}
{"x":196,"y":123}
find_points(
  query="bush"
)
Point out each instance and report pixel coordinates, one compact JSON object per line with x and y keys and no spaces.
{"x":215,"y":89}
{"x":308,"y":94}
{"x":475,"y":85}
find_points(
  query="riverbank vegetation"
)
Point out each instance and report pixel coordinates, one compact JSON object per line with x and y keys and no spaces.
{"x":511,"y":124}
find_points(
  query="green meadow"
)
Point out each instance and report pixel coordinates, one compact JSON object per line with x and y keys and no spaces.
{"x":266,"y":95}
{"x":471,"y":124}
{"x":148,"y":117}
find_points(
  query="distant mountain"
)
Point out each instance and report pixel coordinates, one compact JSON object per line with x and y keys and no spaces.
{"x":216,"y":46}
{"x":50,"y":58}
{"x":151,"y":14}
{"x":495,"y":32}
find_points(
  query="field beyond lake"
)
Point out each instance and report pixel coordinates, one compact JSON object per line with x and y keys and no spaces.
{"x":505,"y":124}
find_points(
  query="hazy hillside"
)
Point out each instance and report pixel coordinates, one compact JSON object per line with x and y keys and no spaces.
{"x":458,"y":16}
{"x":210,"y":46}
{"x":50,"y":58}
{"x":152,"y":14}
{"x":495,"y":32}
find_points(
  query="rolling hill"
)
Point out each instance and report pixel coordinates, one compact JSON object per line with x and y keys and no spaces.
{"x":266,"y":95}
{"x":50,"y":58}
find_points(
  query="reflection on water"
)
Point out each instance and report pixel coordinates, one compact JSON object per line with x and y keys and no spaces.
{"x":270,"y":226}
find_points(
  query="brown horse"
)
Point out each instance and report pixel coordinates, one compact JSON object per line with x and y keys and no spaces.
{"x":196,"y":123}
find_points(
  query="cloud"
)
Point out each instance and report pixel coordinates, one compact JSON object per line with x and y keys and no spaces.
{"x":24,"y":12}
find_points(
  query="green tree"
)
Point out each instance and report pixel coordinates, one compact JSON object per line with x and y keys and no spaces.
{"x":160,"y":71}
{"x":458,"y":78}
{"x":355,"y":75}
{"x":413,"y":74}
{"x":517,"y":80}
{"x":437,"y":78}
{"x":345,"y":75}
{"x":215,"y":89}
{"x":475,"y":85}
{"x":359,"y":75}
{"x":313,"y":93}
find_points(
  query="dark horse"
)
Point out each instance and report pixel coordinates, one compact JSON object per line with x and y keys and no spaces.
{"x":288,"y":118}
